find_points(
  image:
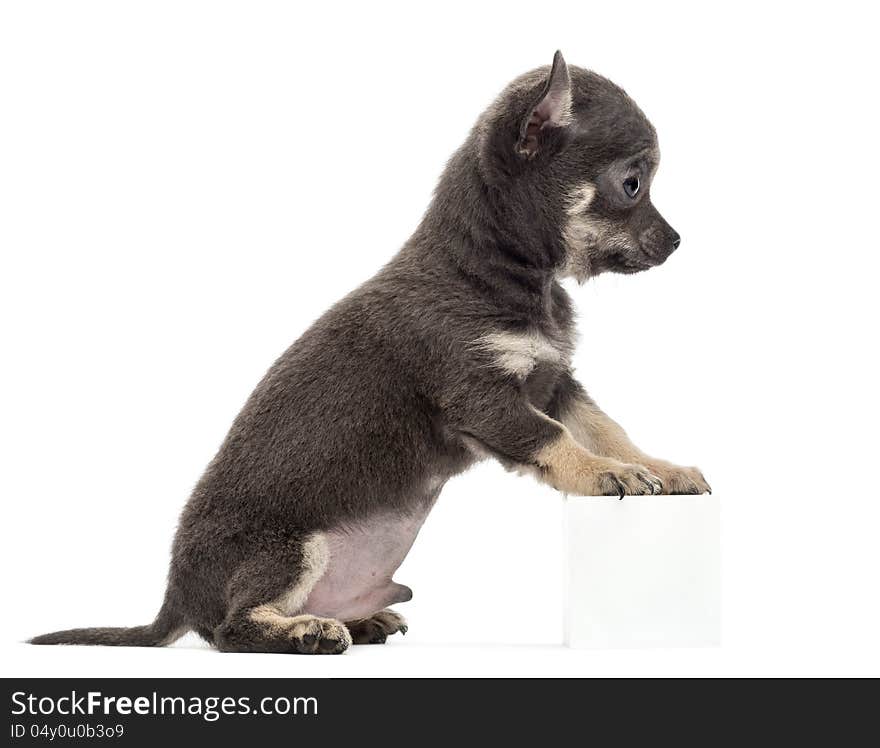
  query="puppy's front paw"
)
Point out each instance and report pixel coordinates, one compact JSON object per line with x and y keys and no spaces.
{"x":584,"y":474}
{"x":629,"y":480}
{"x":680,"y":480}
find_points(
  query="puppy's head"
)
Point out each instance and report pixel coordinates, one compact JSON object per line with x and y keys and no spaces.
{"x":577,"y":157}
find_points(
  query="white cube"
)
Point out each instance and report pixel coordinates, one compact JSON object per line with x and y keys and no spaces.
{"x":644,"y":571}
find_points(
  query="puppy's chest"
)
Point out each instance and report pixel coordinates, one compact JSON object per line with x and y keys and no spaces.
{"x":536,"y":357}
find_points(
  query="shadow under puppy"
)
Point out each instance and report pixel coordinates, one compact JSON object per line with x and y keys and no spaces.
{"x":459,"y":348}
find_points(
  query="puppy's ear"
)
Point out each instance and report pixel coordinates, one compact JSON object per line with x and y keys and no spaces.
{"x":553,"y":109}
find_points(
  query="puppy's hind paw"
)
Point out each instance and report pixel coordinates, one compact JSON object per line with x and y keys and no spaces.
{"x":377,"y":628}
{"x":313,"y":635}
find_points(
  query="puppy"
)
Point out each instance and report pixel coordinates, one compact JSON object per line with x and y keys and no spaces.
{"x":458,"y":349}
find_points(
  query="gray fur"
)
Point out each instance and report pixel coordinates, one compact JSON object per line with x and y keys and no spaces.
{"x":386,"y":396}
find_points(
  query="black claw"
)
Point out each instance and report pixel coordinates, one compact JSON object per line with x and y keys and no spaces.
{"x":328,"y":645}
{"x":309,"y":640}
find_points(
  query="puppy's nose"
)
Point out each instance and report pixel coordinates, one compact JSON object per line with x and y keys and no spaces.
{"x":676,"y":240}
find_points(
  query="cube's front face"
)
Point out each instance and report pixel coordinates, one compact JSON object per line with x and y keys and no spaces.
{"x":643,"y":572}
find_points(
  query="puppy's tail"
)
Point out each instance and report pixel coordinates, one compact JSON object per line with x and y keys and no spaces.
{"x":168,"y":626}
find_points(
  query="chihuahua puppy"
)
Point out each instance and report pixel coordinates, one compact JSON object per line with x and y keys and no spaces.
{"x":458,"y":349}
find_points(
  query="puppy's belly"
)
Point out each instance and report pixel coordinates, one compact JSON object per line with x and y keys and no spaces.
{"x":362,"y":559}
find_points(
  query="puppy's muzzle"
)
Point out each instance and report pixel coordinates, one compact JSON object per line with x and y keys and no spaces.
{"x":659,"y":251}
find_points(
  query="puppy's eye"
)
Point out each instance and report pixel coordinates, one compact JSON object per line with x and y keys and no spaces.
{"x":631,"y":186}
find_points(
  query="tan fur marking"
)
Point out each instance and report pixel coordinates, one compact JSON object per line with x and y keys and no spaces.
{"x":568,"y":466}
{"x":581,"y":198}
{"x":271,"y":618}
{"x":519,"y":353}
{"x":279,"y":617}
{"x":571,"y":468}
{"x":583,"y":231}
{"x":579,"y":232}
{"x":297,"y":627}
{"x":599,"y":433}
{"x":316,"y":557}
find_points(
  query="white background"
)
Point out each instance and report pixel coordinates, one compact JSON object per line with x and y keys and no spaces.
{"x":184,"y":187}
